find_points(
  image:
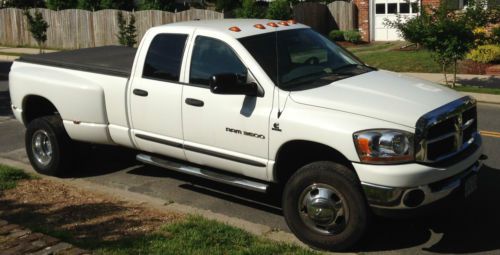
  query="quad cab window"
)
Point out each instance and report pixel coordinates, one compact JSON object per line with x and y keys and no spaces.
{"x":164,"y":58}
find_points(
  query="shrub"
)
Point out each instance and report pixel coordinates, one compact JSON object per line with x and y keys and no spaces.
{"x":127,"y":33}
{"x":495,"y":35}
{"x":279,"y":9}
{"x":23,"y":4}
{"x":250,"y":9}
{"x":118,"y":4}
{"x":485,"y":54}
{"x":413,"y":30}
{"x":480,"y":36}
{"x":226,"y":5}
{"x":91,"y":5}
{"x":164,"y":5}
{"x":336,"y":35}
{"x":352,"y":36}
{"x":62,"y":4}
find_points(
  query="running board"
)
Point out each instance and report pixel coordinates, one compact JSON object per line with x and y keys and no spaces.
{"x":203,"y":173}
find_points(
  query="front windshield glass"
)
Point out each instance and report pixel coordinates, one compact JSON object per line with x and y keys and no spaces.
{"x":302,"y":58}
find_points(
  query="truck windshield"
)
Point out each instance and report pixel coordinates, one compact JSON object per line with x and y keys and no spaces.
{"x":300,"y":59}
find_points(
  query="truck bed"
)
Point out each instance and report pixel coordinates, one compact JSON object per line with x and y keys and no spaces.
{"x":110,"y":60}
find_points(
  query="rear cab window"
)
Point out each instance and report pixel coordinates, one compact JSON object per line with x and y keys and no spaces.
{"x":164,"y":57}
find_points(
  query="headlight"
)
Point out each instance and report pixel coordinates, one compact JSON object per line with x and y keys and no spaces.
{"x":384,"y":146}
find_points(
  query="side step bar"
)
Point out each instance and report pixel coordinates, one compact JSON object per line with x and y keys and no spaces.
{"x":203,"y":173}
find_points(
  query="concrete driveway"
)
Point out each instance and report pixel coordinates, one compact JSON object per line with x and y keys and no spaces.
{"x":468,"y":227}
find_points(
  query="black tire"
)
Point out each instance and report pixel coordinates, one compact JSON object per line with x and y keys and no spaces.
{"x":61,"y":146}
{"x":355,"y":210}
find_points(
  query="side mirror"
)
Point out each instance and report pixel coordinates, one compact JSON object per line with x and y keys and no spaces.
{"x":230,"y":84}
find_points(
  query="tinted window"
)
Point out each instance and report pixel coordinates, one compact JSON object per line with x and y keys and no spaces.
{"x":392,"y":8}
{"x":211,"y":57}
{"x":301,"y":58}
{"x":164,"y":57}
{"x":404,"y":8}
{"x":261,"y":48}
{"x":380,"y":8}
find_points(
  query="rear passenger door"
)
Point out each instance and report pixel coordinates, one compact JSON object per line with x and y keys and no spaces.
{"x":155,"y":95}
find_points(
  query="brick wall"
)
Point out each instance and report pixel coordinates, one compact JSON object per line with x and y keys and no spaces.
{"x":363,"y":18}
{"x":433,"y":3}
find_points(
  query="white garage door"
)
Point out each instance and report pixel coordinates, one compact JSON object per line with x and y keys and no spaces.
{"x":389,"y":9}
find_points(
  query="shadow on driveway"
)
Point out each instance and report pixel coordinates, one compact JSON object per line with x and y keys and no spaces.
{"x":490,"y":82}
{"x":4,"y":70}
{"x":466,"y":226}
{"x":4,"y":90}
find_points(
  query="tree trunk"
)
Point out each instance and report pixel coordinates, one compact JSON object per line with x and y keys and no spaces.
{"x":454,"y":73}
{"x":444,"y":72}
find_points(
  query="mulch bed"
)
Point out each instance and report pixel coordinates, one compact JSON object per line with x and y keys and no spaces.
{"x":42,"y":205}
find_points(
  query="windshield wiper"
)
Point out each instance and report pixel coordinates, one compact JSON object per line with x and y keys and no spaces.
{"x":296,"y":81}
{"x":336,"y":71}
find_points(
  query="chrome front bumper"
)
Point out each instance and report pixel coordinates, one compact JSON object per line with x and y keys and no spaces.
{"x":408,"y":198}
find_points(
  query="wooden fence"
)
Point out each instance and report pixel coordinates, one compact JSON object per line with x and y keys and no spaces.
{"x":71,"y":29}
{"x":323,"y":18}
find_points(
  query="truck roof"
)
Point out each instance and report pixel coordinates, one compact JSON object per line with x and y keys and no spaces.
{"x":246,"y":26}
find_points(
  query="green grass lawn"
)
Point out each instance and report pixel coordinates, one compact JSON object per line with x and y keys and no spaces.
{"x":472,"y":89}
{"x":192,"y":235}
{"x":196,"y":235}
{"x":9,"y":177}
{"x":401,"y":61}
{"x":384,"y":55}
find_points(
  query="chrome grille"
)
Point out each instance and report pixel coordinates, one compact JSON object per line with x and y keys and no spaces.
{"x":446,"y":131}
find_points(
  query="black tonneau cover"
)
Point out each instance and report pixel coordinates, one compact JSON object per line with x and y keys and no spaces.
{"x":111,"y":60}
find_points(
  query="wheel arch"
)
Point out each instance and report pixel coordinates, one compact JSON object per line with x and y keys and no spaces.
{"x":35,"y":106}
{"x":290,"y":157}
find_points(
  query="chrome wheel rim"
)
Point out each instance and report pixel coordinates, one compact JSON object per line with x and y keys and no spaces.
{"x":41,"y":147}
{"x":322,"y":209}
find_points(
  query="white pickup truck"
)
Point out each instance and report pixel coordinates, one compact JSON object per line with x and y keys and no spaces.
{"x":254,"y":103}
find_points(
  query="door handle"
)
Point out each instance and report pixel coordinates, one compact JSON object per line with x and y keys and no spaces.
{"x":140,"y":92}
{"x":194,"y":102}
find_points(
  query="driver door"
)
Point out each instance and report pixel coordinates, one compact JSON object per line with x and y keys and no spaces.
{"x":228,"y":132}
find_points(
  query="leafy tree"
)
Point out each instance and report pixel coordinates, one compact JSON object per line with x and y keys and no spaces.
{"x":226,"y":5}
{"x":62,"y":4}
{"x":91,"y":5}
{"x":37,"y":27}
{"x":127,"y":33}
{"x":23,"y":4}
{"x":163,"y":5}
{"x":449,"y":38}
{"x":250,"y":9}
{"x":118,"y":4}
{"x":279,"y":9}
{"x":447,"y":34}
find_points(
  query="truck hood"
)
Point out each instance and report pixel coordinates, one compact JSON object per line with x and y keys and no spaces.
{"x":382,"y":95}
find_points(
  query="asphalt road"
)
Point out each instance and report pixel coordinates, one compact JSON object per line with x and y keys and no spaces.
{"x":470,"y":226}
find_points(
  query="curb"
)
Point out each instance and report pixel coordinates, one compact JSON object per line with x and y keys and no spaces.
{"x":160,"y":204}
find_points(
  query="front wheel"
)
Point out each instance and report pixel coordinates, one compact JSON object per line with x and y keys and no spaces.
{"x":324,"y":206}
{"x":48,"y":146}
